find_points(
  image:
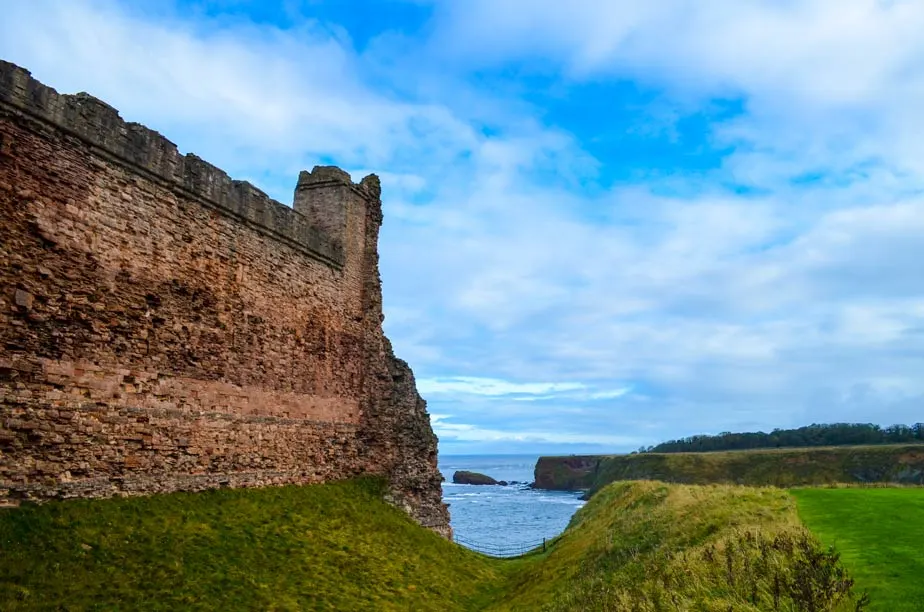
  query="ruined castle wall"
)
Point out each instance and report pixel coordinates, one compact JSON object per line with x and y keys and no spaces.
{"x":163,"y":327}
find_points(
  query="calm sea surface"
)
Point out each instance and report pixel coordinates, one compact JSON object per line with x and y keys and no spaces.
{"x":504,"y":516}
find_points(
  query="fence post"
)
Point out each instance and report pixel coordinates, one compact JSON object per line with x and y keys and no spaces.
{"x":543,"y":544}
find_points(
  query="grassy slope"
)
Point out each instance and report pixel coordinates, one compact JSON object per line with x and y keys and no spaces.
{"x":778,"y":467}
{"x":651,"y":546}
{"x":880,"y":533}
{"x":640,"y":546}
{"x":329,"y":547}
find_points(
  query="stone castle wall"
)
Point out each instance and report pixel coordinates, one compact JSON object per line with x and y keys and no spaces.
{"x":163,"y":327}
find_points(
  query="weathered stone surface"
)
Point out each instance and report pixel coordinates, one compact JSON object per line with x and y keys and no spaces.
{"x":473,"y":478}
{"x":163,"y":327}
{"x":23,"y":299}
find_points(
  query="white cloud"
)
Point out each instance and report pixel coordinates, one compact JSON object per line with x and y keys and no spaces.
{"x":464,"y":432}
{"x":459,"y":387}
{"x":821,"y":50}
{"x":612,"y":394}
{"x":489,"y":386}
{"x":827,"y":85}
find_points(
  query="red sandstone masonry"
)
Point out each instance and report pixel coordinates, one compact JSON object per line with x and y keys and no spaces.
{"x":163,"y":327}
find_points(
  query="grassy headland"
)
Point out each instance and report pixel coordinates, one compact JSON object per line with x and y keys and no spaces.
{"x":777,"y":467}
{"x":879,"y":532}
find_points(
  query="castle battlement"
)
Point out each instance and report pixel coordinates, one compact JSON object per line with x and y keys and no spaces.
{"x":147,"y":151}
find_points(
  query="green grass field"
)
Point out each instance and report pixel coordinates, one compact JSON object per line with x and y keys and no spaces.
{"x":880,"y":535}
{"x":328,"y":547}
{"x":655,"y":547}
{"x":642,"y":546}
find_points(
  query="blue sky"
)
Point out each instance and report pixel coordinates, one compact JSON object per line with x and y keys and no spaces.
{"x":606,"y":223}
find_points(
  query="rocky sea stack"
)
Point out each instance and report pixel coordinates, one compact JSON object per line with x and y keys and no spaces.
{"x":473,"y":478}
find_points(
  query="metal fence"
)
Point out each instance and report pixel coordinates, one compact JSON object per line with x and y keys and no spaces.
{"x":503,"y":550}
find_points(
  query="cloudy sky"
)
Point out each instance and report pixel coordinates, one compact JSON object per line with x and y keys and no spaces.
{"x":607,"y":223}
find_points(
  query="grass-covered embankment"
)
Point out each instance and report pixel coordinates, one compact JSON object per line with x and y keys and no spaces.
{"x":649,"y":546}
{"x":903,"y":464}
{"x":642,"y":546}
{"x":328,"y":547}
{"x":879,"y":532}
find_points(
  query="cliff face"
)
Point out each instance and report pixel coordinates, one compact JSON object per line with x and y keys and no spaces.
{"x":903,"y":464}
{"x":163,"y":327}
{"x":571,"y":473}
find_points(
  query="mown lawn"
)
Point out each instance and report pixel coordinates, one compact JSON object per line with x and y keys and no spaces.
{"x":880,"y":535}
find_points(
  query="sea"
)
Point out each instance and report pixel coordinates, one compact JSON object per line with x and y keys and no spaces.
{"x":503,"y":518}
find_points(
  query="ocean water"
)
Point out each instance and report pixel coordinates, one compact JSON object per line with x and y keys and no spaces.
{"x":504,"y":517}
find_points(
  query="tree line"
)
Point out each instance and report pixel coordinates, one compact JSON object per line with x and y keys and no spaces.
{"x":834,"y":434}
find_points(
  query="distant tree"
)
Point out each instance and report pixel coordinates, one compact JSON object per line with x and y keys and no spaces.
{"x":816,"y":434}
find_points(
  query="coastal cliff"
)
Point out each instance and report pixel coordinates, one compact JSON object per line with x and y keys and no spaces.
{"x":899,"y":464}
{"x":571,"y":473}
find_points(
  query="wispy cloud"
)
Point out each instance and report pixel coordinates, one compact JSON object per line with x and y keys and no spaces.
{"x":460,"y":386}
{"x":489,"y":386}
{"x":450,"y":432}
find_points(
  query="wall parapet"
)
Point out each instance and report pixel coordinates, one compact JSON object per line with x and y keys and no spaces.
{"x":143,"y":149}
